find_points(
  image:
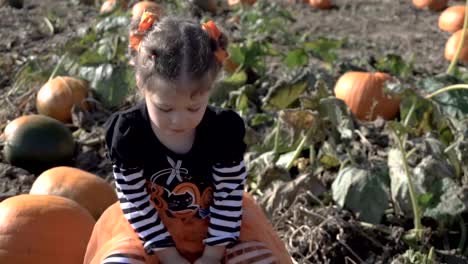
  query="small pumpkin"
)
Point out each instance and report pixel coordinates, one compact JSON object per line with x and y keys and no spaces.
{"x":43,"y":229}
{"x":38,"y":142}
{"x":436,"y":5}
{"x":57,"y":97}
{"x":110,"y":5}
{"x":452,"y":44}
{"x":451,"y":19}
{"x":321,"y":4}
{"x":363,"y":93}
{"x":236,"y":2}
{"x":139,"y":7}
{"x":88,"y":190}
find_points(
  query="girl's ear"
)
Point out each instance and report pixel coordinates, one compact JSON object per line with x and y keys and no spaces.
{"x":137,"y":79}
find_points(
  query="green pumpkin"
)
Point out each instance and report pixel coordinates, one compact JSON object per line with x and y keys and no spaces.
{"x":37,"y":143}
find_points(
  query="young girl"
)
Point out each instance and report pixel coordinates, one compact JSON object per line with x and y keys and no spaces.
{"x":177,"y":162}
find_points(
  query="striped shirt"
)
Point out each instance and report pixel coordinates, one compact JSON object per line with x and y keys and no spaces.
{"x":150,"y":179}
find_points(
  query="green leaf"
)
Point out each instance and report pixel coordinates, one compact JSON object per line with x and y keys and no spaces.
{"x":433,"y":179}
{"x":337,"y":113}
{"x":395,"y":65}
{"x":261,"y":118}
{"x":112,"y":23}
{"x":111,"y":83}
{"x":296,"y":58}
{"x":324,"y":48}
{"x":328,"y":156}
{"x":453,"y":103}
{"x":242,"y":103}
{"x":311,"y":99}
{"x":236,"y":53}
{"x":353,"y":188}
{"x":285,"y":92}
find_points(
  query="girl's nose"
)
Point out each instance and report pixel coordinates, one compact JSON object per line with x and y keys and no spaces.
{"x":177,"y":119}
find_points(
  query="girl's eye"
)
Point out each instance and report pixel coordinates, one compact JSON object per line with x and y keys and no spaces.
{"x":165,"y":110}
{"x":194,"y":109}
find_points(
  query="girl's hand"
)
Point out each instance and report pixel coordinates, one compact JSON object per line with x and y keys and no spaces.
{"x":208,"y":260}
{"x":211,"y":255}
{"x":171,"y":256}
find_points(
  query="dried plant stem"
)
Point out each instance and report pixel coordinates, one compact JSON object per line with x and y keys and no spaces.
{"x":416,"y":212}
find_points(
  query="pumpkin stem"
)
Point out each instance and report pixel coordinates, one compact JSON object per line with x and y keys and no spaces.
{"x":448,"y":88}
{"x":416,"y":210}
{"x":451,"y":68}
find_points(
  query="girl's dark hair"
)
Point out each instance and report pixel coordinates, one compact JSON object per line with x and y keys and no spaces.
{"x":175,"y":49}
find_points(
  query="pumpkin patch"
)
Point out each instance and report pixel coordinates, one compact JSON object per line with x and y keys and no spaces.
{"x":355,"y":116}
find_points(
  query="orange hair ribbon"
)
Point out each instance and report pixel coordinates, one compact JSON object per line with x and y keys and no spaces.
{"x":214,"y":33}
{"x":147,"y":20}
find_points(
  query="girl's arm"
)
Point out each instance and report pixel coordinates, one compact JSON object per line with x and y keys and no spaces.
{"x":122,"y":140}
{"x":226,"y":209}
{"x":137,"y":209}
{"x":229,"y":177}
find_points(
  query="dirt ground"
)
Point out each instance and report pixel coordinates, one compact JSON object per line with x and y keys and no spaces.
{"x":372,"y":28}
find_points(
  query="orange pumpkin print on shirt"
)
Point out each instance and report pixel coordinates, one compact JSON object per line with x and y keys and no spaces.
{"x":183,"y":201}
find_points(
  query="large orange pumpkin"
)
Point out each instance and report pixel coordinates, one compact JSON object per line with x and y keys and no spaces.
{"x":90,"y":191}
{"x":43,"y":229}
{"x":112,"y":234}
{"x":363,"y":93}
{"x":452,"y":18}
{"x":436,"y":5}
{"x":57,"y":97}
{"x":322,"y":4}
{"x":452,"y":44}
{"x":140,"y":7}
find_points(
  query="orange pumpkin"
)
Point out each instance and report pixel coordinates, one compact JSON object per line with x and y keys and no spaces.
{"x":452,"y":18}
{"x":112,"y":234}
{"x":140,"y":7}
{"x":452,"y":44}
{"x":57,"y":97}
{"x":43,"y":229}
{"x":90,"y":191}
{"x":363,"y":93}
{"x":235,"y":2}
{"x":436,"y":5}
{"x":321,"y":4}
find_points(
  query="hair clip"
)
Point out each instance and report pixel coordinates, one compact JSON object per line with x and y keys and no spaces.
{"x":147,"y":20}
{"x":214,"y":33}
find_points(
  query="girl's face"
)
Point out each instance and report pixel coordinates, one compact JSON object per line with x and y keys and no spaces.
{"x":175,"y":111}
